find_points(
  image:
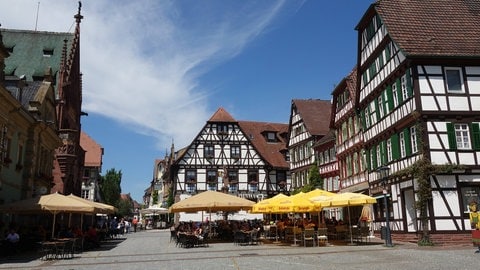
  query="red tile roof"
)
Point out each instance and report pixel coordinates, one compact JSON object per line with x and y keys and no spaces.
{"x":315,"y":114}
{"x":93,"y":151}
{"x":434,"y":27}
{"x":221,"y":115}
{"x":272,"y":152}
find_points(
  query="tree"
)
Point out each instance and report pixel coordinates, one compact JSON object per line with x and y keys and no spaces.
{"x":125,"y":208}
{"x":110,"y":187}
{"x":314,"y":181}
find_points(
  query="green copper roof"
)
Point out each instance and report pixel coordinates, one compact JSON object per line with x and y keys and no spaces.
{"x":33,"y":52}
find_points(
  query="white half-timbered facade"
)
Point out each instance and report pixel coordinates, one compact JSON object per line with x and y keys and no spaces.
{"x":349,"y":136}
{"x":245,"y":158}
{"x":309,"y":122}
{"x":327,"y":162}
{"x":418,"y":96}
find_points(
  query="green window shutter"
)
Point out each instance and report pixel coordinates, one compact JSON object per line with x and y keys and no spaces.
{"x":386,"y":108}
{"x":409,"y":83}
{"x":395,"y":147}
{"x":474,"y":127}
{"x":399,"y":91}
{"x":452,"y":140}
{"x":374,"y":157}
{"x":377,"y":110}
{"x":408,"y":141}
{"x":367,"y":159}
{"x":383,"y":152}
{"x":362,"y":117}
{"x":390,"y":98}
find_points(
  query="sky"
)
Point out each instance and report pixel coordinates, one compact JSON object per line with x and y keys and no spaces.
{"x":154,"y":71}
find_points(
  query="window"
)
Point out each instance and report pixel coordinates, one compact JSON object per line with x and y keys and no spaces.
{"x":252,"y":176}
{"x":454,"y":79}
{"x":252,"y":181}
{"x":389,"y":150}
{"x":403,"y":83}
{"x":462,"y":136}
{"x":191,"y":188}
{"x":212,"y":176}
{"x":232,"y":176}
{"x":86,"y":173}
{"x":233,"y":187}
{"x":86,"y":193}
{"x":190,"y":176}
{"x":209,"y":151}
{"x":413,"y":139}
{"x":222,"y":128}
{"x":379,"y":155}
{"x":403,"y":151}
{"x":271,"y":137}
{"x":333,"y":157}
{"x":380,"y":106}
{"x":47,"y":52}
{"x":395,"y":94}
{"x":235,"y":151}
{"x":367,"y":117}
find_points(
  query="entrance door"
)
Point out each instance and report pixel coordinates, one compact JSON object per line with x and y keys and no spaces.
{"x":410,"y":212}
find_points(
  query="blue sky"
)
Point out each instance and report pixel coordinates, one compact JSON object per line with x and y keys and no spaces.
{"x":155,"y":71}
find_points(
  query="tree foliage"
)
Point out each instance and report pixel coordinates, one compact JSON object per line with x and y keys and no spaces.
{"x":125,"y":208}
{"x":314,"y":181}
{"x":110,"y":188}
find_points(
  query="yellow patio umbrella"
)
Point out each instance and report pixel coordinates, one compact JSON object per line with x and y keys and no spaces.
{"x":294,"y":204}
{"x":318,"y":192}
{"x":346,"y":199}
{"x":342,"y":200}
{"x":266,"y":206}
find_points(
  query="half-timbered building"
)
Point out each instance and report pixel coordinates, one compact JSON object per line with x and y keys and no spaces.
{"x":309,"y":122}
{"x":349,"y":137}
{"x":418,"y":98}
{"x":245,"y":158}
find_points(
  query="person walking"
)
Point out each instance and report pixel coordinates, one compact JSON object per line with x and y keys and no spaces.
{"x":475,"y":225}
{"x":135,"y":222}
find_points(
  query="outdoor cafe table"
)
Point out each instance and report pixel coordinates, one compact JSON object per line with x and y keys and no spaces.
{"x":57,"y":248}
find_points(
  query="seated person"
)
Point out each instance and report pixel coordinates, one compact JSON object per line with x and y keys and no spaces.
{"x":91,"y":238}
{"x":11,"y":242}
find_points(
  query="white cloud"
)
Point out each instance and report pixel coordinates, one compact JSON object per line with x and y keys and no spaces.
{"x":142,"y":60}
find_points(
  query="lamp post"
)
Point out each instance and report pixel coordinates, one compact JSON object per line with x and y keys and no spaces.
{"x":383,"y":173}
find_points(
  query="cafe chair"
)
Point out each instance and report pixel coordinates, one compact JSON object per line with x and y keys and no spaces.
{"x":322,"y":236}
{"x":308,"y":236}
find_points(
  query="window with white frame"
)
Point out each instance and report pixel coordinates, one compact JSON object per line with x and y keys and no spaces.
{"x":403,"y":83}
{"x":209,"y":151}
{"x":212,"y":180}
{"x":413,"y":139}
{"x":379,"y":155}
{"x":454,"y":80}
{"x":389,"y":150}
{"x":385,"y":101}
{"x":403,"y":150}
{"x":235,"y":151}
{"x":86,"y":194}
{"x":367,"y":116}
{"x":333,"y":156}
{"x":462,"y":136}
{"x":380,"y":106}
{"x":395,"y":95}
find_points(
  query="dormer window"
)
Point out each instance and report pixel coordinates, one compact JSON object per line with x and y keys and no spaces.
{"x":271,"y":136}
{"x":47,"y":52}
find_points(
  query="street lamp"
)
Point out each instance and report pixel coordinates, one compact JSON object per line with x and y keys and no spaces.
{"x":383,"y":173}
